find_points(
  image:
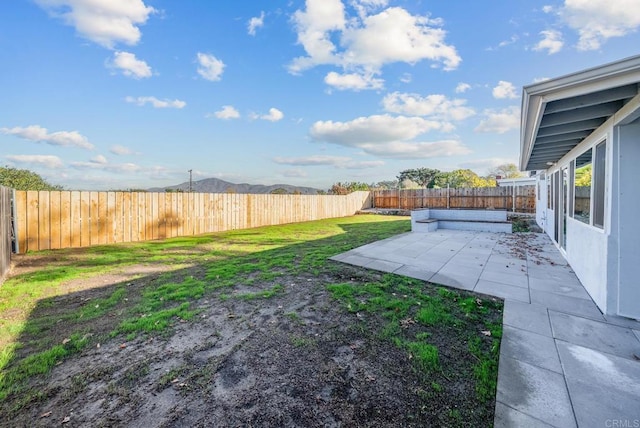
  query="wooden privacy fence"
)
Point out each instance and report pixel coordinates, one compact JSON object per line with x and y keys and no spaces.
{"x":5,"y":230}
{"x":62,"y":219}
{"x":512,"y":198}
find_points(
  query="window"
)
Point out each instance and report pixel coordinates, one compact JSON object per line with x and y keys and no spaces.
{"x":599,"y":184}
{"x":582,"y":187}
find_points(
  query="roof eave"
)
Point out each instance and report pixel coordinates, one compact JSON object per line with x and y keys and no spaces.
{"x":535,"y":96}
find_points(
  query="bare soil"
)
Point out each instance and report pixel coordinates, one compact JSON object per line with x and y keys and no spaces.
{"x":298,"y":359}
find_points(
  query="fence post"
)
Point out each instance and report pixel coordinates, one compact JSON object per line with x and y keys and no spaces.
{"x":513,"y":199}
{"x":14,"y":223}
{"x":448,"y":196}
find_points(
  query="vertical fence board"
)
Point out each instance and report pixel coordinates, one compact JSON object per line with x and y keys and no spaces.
{"x":135,"y":219}
{"x":66,"y":219}
{"x":33,"y":226}
{"x":75,"y":222}
{"x":21,"y":213}
{"x":126,"y":217}
{"x":54,"y":220}
{"x":102,"y":217}
{"x":148,"y":216}
{"x":142,"y":216}
{"x":85,"y":219}
{"x":44,"y":221}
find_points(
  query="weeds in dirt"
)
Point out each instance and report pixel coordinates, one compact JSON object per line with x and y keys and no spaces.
{"x":519,"y":224}
{"x":303,"y":342}
{"x":265,"y":294}
{"x":41,"y":326}
{"x":228,"y":258}
{"x":418,"y":317}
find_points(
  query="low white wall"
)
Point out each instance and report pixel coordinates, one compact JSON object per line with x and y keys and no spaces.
{"x":587,"y":255}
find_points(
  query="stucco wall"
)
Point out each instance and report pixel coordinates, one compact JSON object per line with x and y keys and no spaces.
{"x":624,"y":288}
{"x":541,"y":202}
{"x":586,"y":252}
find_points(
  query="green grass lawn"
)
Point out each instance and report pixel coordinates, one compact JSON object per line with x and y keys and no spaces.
{"x":213,"y":267}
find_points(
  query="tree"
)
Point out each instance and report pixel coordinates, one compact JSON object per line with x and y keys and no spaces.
{"x":423,"y":177}
{"x":346,"y":188}
{"x":463,"y":178}
{"x":23,"y":179}
{"x":583,"y":176}
{"x":506,"y":170}
{"x":386,"y":185}
{"x":279,"y":191}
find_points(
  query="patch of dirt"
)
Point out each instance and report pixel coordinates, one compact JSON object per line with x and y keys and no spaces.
{"x":295,"y":360}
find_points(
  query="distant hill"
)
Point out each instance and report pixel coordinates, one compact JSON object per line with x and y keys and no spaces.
{"x":215,"y":185}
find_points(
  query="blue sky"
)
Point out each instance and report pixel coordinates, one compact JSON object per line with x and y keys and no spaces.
{"x":118,"y":94}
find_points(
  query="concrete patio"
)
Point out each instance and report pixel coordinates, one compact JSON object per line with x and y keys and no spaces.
{"x":562,"y":362}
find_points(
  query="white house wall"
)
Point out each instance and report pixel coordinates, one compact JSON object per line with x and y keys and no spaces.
{"x":541,"y":201}
{"x":607,"y":260}
{"x":586,"y":252}
{"x":586,"y":246}
{"x":624,"y":245}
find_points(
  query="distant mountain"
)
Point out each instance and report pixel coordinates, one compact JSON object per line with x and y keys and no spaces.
{"x":215,"y":185}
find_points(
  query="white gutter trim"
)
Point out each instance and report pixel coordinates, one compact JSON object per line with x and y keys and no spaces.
{"x":535,"y":96}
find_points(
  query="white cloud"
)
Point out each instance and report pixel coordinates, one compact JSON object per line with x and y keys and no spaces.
{"x":312,"y":160}
{"x":406,"y":78}
{"x":105,"y":166}
{"x":336,"y":161}
{"x":274,"y":115}
{"x":255,"y":23}
{"x":372,"y":129}
{"x":596,"y":21}
{"x":155,"y":102}
{"x":226,"y":113}
{"x":210,"y":67}
{"x":363,"y":164}
{"x":47,"y":161}
{"x":551,"y":41}
{"x":462,"y":88}
{"x":353,"y":81}
{"x":394,"y":35}
{"x":500,"y":121}
{"x":511,"y":41}
{"x":388,"y":136}
{"x":416,"y":150}
{"x":369,"y":41}
{"x":105,"y":22}
{"x":547,"y":8}
{"x":130,"y":65}
{"x":504,"y":90}
{"x":121,"y":150}
{"x":60,"y":138}
{"x":99,"y":159}
{"x":365,"y":7}
{"x":435,"y":106}
{"x":294,"y":173}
